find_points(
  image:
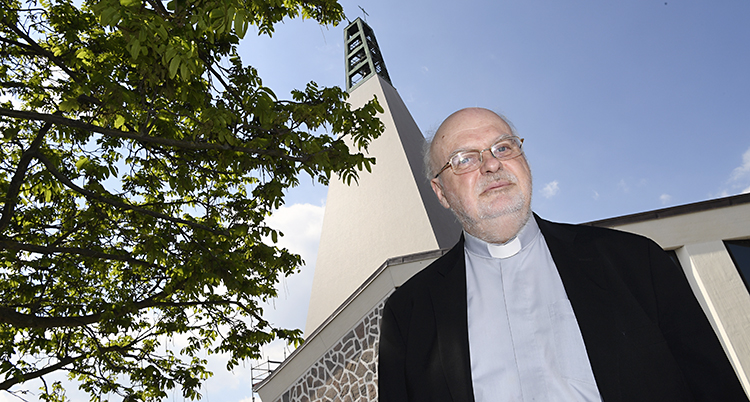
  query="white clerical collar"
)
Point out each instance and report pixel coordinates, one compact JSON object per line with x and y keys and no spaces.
{"x":523,"y":238}
{"x":505,"y":250}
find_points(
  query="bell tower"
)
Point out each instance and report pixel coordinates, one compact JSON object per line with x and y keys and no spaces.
{"x":363,"y":57}
{"x":392,"y":211}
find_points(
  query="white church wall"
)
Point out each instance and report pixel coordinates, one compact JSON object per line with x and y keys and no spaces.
{"x":387,"y":213}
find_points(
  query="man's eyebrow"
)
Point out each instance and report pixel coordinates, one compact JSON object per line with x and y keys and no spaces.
{"x":462,"y":149}
{"x":502,"y":137}
{"x":465,"y":149}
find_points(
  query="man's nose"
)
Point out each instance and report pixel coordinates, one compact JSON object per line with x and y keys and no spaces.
{"x":490,"y":164}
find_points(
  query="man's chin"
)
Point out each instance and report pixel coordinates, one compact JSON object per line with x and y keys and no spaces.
{"x":502,"y":206}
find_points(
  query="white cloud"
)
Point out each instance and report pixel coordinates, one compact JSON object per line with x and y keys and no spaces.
{"x":551,"y":189}
{"x":16,"y":105}
{"x":623,"y":186}
{"x":739,"y":179}
{"x":665,"y":198}
{"x":743,"y":171}
{"x":8,"y":397}
{"x":301,"y":225}
{"x":596,"y":195}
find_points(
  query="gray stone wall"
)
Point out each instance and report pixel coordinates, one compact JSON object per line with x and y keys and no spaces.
{"x":348,"y":371}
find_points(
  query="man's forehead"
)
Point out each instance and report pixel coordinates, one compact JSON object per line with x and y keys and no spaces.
{"x":460,"y":133}
{"x":470,"y":116}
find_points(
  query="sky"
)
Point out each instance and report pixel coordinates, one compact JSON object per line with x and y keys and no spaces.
{"x":625,"y":106}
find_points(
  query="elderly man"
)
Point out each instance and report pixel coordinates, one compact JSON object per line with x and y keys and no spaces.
{"x":523,"y":309}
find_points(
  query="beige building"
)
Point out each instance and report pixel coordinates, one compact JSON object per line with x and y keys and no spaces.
{"x":392,"y":212}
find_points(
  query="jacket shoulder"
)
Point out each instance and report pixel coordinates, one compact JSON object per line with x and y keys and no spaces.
{"x":420,"y":283}
{"x":598,"y":234}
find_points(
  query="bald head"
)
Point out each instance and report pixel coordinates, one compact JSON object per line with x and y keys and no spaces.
{"x":493,"y":200}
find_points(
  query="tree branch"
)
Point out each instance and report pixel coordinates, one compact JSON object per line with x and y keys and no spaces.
{"x":218,"y":76}
{"x":15,"y":43}
{"x":11,"y":197}
{"x":9,"y":315}
{"x":159,"y":8}
{"x":189,"y":145}
{"x":103,"y":350}
{"x":5,"y":385}
{"x":33,"y":248}
{"x":119,"y":204}
{"x":40,"y":50}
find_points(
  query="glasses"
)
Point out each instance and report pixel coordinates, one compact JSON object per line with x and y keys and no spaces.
{"x":468,"y":161}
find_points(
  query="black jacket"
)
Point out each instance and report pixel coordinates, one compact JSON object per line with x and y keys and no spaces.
{"x":645,"y":334}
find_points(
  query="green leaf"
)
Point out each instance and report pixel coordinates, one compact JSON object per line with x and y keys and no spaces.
{"x":68,"y":105}
{"x":174,"y":65}
{"x":135,"y":49}
{"x":82,"y":162}
{"x":130,"y":3}
{"x":240,"y":23}
{"x":170,"y":53}
{"x":162,"y":31}
{"x":119,"y":121}
{"x":10,"y":133}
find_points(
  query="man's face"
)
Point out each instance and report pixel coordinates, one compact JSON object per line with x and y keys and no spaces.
{"x":495,"y":190}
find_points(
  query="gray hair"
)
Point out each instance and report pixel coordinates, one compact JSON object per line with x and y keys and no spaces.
{"x":429,"y":170}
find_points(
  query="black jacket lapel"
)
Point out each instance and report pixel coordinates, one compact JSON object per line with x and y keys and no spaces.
{"x":586,"y":285}
{"x":449,"y":298}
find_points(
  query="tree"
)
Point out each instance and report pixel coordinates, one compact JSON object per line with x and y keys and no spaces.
{"x":140,"y":159}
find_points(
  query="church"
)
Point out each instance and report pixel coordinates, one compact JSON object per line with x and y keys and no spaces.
{"x":366,"y":251}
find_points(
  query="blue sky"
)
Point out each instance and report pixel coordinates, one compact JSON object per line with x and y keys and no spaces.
{"x":626,"y":106}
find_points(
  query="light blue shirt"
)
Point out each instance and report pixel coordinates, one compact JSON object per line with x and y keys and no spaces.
{"x":524,"y":340}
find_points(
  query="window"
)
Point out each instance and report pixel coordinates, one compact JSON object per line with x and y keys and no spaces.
{"x":739,"y":250}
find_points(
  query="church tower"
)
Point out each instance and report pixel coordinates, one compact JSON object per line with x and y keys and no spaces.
{"x":392,"y":211}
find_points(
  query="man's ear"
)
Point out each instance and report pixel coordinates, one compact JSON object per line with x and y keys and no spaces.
{"x":438,"y":189}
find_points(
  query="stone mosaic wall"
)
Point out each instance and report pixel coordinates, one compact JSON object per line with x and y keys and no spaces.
{"x":348,"y":371}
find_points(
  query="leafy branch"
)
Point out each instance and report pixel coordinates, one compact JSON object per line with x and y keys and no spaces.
{"x":140,"y":161}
